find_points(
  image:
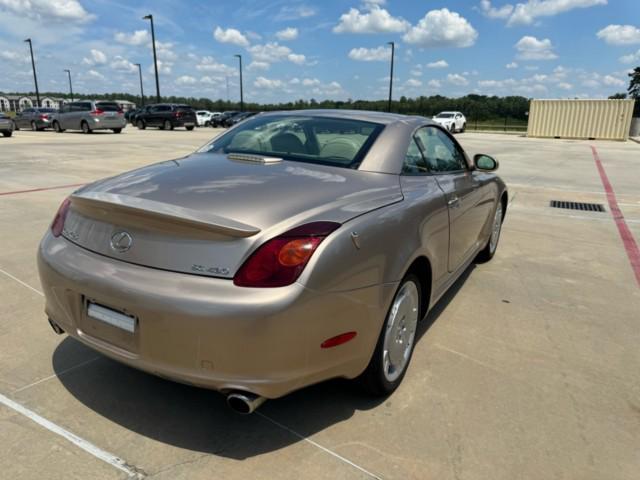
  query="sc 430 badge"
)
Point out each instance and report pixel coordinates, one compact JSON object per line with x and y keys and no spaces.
{"x":211,"y":270}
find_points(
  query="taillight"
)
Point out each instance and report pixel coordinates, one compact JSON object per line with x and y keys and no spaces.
{"x":58,"y":221}
{"x":96,"y":112}
{"x":281,"y":260}
{"x":120,"y":112}
{"x":44,"y":117}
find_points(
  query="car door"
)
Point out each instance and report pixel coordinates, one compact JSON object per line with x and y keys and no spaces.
{"x":458,"y":121}
{"x":23,"y":118}
{"x":467,"y":213}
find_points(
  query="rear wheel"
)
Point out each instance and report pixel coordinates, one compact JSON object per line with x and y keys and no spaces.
{"x":392,"y":355}
{"x":189,"y":128}
{"x":117,"y":130}
{"x":85,"y":127}
{"x":452,"y":127}
{"x":167,"y":125}
{"x":492,"y":244}
{"x":141,"y":125}
{"x":7,"y":133}
{"x":57,"y":127}
{"x":15,"y":126}
{"x":464,"y":127}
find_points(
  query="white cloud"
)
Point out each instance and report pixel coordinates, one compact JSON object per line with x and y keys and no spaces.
{"x":139,"y":37}
{"x":14,"y":56}
{"x":526,"y":13}
{"x":165,"y":51}
{"x":185,"y":80}
{"x":296,"y":58}
{"x":413,"y":83}
{"x":262,"y":82}
{"x":294,"y":81}
{"x":375,"y":20}
{"x":295,"y":12}
{"x":230,"y":35}
{"x":370,"y":54}
{"x":258,"y":66}
{"x":511,"y":65}
{"x":442,"y":28}
{"x":620,"y":34}
{"x":122,"y":64}
{"x":95,"y":75}
{"x":457,"y":79}
{"x":631,"y":58}
{"x":273,"y":52}
{"x":49,"y":10}
{"x":530,"y":48}
{"x":532,"y":68}
{"x":163,"y":67}
{"x":438,"y":64}
{"x":612,"y":81}
{"x":207,"y":80}
{"x":489,"y":11}
{"x":416,"y":72}
{"x":565,"y":86}
{"x":96,"y":58}
{"x":289,"y":33}
{"x":309,"y":82}
{"x":209,"y":64}
{"x":434,"y":83}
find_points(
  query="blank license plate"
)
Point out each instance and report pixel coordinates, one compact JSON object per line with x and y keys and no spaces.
{"x":116,"y":319}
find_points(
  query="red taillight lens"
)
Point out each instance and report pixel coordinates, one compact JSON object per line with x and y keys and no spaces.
{"x":280,"y":261}
{"x":44,"y":117}
{"x":97,"y":111}
{"x":58,"y":221}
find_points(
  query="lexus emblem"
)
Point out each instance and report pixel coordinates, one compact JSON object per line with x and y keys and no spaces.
{"x":121,"y":242}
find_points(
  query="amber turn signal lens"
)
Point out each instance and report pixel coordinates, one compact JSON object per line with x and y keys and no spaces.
{"x":296,"y":252}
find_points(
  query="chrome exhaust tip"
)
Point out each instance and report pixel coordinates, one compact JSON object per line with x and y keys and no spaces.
{"x":244,"y":403}
{"x":56,"y":327}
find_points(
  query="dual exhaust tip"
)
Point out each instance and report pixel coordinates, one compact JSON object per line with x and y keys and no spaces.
{"x":244,"y":403}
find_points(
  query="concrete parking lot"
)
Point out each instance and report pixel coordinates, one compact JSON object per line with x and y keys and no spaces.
{"x":527,"y":369}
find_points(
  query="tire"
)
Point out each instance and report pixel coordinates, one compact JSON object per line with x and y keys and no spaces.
{"x":141,"y":125}
{"x":167,"y":125}
{"x":452,"y":128}
{"x":381,"y":377}
{"x":489,"y":250}
{"x":189,"y":128}
{"x":34,"y":127}
{"x":57,"y":127}
{"x":85,"y":127}
{"x":7,"y":133}
{"x":117,"y":130}
{"x":15,"y":126}
{"x":464,"y":127}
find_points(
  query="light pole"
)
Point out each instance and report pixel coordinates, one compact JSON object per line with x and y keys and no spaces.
{"x":141,"y":89}
{"x":35,"y":76}
{"x":393,"y":48}
{"x":155,"y":58}
{"x":70,"y":87}
{"x":241,"y":97}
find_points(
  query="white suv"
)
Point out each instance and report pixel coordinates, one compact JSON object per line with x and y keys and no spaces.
{"x":452,"y":121}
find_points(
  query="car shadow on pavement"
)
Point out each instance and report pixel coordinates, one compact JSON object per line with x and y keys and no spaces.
{"x":198,"y":419}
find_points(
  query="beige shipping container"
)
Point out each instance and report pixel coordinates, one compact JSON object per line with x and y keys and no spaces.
{"x":598,"y":119}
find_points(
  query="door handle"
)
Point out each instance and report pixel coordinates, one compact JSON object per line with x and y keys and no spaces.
{"x":454,"y":202}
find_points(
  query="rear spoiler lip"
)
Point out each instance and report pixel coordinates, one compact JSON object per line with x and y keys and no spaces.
{"x":165,"y":211}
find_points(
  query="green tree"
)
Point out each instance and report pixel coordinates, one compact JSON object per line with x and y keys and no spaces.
{"x":618,"y":96}
{"x":634,"y":84}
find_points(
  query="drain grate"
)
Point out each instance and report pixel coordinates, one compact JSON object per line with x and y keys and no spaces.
{"x":585,"y":207}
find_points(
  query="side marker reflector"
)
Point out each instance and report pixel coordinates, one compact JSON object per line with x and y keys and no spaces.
{"x":338,"y":340}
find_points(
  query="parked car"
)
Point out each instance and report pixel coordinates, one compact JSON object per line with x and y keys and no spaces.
{"x":203,"y":117}
{"x":34,"y":118}
{"x":297,"y":247}
{"x":131,"y":115}
{"x":89,"y":116}
{"x":452,"y":121}
{"x":219,"y":121}
{"x":166,"y":116}
{"x":231,"y":121}
{"x":6,"y":125}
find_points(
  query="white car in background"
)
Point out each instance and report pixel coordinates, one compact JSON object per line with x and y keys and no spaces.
{"x":452,"y":121}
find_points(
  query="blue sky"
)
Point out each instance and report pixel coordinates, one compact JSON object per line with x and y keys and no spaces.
{"x":331,"y":49}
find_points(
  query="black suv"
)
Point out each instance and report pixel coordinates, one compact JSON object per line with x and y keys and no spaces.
{"x":166,"y":116}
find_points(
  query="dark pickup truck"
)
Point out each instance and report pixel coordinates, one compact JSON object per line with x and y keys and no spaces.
{"x":166,"y":116}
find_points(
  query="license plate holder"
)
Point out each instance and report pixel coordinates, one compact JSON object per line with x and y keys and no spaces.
{"x":112,"y":317}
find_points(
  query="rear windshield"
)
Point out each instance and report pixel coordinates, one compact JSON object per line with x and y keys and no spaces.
{"x":108,"y":106}
{"x":326,"y":141}
{"x":444,"y":115}
{"x":47,"y":110}
{"x":183,"y":108}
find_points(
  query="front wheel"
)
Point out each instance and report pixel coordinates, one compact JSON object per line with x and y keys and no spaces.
{"x":15,"y":126}
{"x":489,"y":250}
{"x":117,"y":130}
{"x":7,"y":133}
{"x":464,"y":127}
{"x":57,"y":127}
{"x":167,"y":125}
{"x":141,"y":125}
{"x":189,"y":128}
{"x":392,"y":355}
{"x":85,"y":127}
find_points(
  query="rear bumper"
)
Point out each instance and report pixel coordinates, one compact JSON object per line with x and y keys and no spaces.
{"x":207,"y":332}
{"x":107,"y":123}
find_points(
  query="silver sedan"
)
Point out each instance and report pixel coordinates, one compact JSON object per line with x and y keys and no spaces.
{"x":294,"y":248}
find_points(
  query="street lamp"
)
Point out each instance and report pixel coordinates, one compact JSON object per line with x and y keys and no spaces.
{"x":35,"y":76}
{"x":241,"y":98}
{"x":70,"y":87}
{"x":393,"y":47}
{"x":155,"y":58}
{"x":141,"y":89}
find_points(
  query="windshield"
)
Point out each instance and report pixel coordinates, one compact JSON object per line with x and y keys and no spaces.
{"x":325,"y":141}
{"x":444,"y":115}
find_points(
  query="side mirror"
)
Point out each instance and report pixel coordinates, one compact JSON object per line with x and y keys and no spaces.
{"x":485,"y":163}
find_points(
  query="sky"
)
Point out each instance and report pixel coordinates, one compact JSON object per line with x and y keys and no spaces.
{"x":335,"y":49}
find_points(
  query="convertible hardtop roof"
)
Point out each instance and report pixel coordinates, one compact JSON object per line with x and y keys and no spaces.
{"x":382,"y":118}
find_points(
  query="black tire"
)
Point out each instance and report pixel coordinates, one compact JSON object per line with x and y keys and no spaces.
{"x":189,"y":128}
{"x":464,"y":127}
{"x":34,"y":127}
{"x":141,"y":125}
{"x":85,"y":127}
{"x":57,"y":127}
{"x":15,"y":126}
{"x":373,"y":379}
{"x":117,"y":130}
{"x":487,"y":253}
{"x":167,"y":125}
{"x":7,"y":133}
